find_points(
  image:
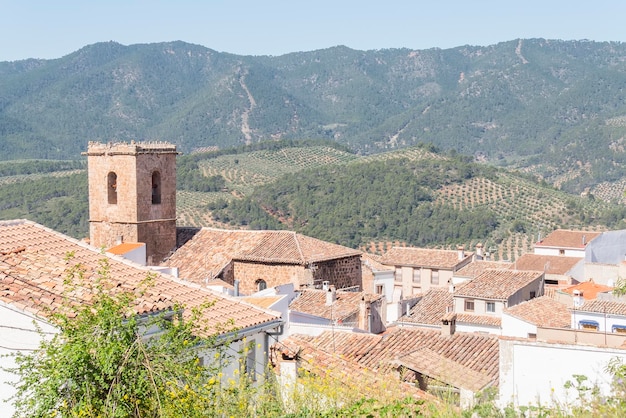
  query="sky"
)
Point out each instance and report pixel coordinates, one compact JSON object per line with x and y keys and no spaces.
{"x":52,"y":29}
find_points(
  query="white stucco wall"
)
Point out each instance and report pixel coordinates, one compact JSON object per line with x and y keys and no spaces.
{"x":535,"y":373}
{"x":18,"y":334}
{"x":385,"y":279}
{"x":556,"y":251}
{"x":515,"y":327}
{"x":607,"y":248}
{"x":605,"y":321}
{"x":605,"y":274}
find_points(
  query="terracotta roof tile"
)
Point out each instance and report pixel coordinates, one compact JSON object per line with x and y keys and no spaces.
{"x":498,"y":284}
{"x":313,"y":302}
{"x":124,"y":247}
{"x":431,"y":308}
{"x":565,"y":238}
{"x":477,"y":267}
{"x":552,"y":264}
{"x":471,"y":318}
{"x":589,"y":289}
{"x":542,"y":312}
{"x":210,"y":250}
{"x":610,"y":307}
{"x":34,"y":267}
{"x":423,"y":257}
{"x":318,"y":360}
{"x":475,"y":352}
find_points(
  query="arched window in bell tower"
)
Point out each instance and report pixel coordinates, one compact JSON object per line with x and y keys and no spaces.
{"x":156,"y":188}
{"x":112,"y":188}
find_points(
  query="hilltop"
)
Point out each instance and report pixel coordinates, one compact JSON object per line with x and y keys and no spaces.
{"x":553,"y":108}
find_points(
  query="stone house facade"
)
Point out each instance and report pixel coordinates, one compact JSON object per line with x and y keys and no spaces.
{"x":256,"y":260}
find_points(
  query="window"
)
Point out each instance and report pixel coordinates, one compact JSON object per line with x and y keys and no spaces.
{"x":417,"y":275}
{"x":620,"y":329}
{"x":491,"y":307}
{"x":434,"y":277}
{"x":398,"y":274}
{"x":261,"y":285}
{"x":533,"y":295}
{"x":112,"y":188}
{"x":561,"y":252}
{"x":588,"y":325}
{"x":379,"y":289}
{"x":469,"y":305}
{"x":156,"y":188}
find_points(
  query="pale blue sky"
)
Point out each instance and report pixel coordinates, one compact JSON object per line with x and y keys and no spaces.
{"x":52,"y":29}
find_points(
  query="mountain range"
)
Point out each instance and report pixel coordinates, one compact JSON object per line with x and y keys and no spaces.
{"x":553,"y":108}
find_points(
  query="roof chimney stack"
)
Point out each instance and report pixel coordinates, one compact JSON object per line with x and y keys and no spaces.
{"x":461,"y":251}
{"x":331,"y":295}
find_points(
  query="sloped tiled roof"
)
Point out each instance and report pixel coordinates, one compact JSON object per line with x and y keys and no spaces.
{"x":610,"y":307}
{"x":320,"y":360}
{"x":435,"y":365}
{"x":553,"y":264}
{"x":34,"y":265}
{"x":475,"y":352}
{"x":477,"y":267}
{"x":478,"y":319}
{"x":497,"y":284}
{"x":423,"y":257}
{"x":210,"y":250}
{"x":566,"y":238}
{"x":313,"y":302}
{"x":589,"y":289}
{"x":431,"y":308}
{"x":542,"y":312}
{"x":372,"y":261}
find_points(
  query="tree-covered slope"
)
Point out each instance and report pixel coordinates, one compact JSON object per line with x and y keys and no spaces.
{"x":554,"y":107}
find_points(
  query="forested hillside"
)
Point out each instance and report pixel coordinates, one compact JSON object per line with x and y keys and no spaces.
{"x":554,"y":108}
{"x":415,"y":196}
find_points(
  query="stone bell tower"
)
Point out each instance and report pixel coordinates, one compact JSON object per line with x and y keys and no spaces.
{"x":132,"y":195}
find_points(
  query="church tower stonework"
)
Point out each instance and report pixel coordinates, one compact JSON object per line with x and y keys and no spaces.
{"x":132,"y":195}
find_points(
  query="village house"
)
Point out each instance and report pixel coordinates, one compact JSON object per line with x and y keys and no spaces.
{"x":523,"y":319}
{"x":433,"y":360}
{"x":540,"y":370}
{"x":34,"y":265}
{"x":565,"y":242}
{"x":316,"y":310}
{"x":560,"y":271}
{"x":256,"y":260}
{"x":480,"y":302}
{"x":417,"y":270}
{"x":474,"y":269}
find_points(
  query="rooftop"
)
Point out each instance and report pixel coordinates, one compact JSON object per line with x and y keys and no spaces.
{"x":431,"y":308}
{"x":424,"y":257}
{"x":589,"y":289}
{"x":477,"y":267}
{"x":35,"y":262}
{"x":542,"y":312}
{"x":210,"y":250}
{"x":313,"y":302}
{"x":552,"y":264}
{"x":565,"y":238}
{"x":464,"y":352}
{"x":125,"y":247}
{"x":610,"y":307}
{"x":498,"y":284}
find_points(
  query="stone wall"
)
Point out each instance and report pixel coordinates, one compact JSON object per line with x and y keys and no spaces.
{"x":126,"y":207}
{"x":342,"y":273}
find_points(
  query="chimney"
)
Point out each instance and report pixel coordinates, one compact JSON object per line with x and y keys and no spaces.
{"x":578,"y":298}
{"x":236,"y":286}
{"x":584,"y":240}
{"x":448,"y":324}
{"x":331,"y":295}
{"x":363,"y":315}
{"x":461,"y":251}
{"x":479,"y":251}
{"x":325,"y":285}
